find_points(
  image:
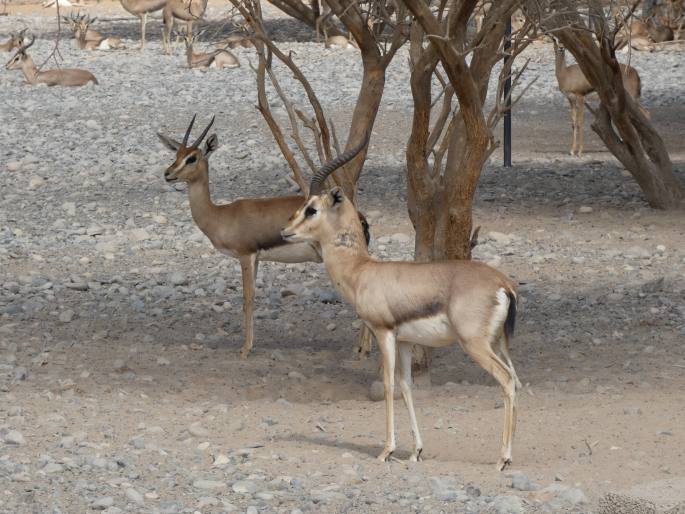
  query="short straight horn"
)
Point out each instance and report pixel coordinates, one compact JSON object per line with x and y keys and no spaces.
{"x":316,"y":185}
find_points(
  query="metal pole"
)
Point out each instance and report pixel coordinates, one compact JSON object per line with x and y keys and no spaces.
{"x":507,"y":105}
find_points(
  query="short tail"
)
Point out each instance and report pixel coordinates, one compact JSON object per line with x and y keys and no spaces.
{"x":510,"y":322}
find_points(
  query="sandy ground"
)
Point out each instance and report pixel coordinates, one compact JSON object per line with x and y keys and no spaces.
{"x":118,"y":378}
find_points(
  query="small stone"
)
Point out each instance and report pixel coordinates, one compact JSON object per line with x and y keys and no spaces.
{"x":94,"y":230}
{"x":119,"y":365}
{"x":66,"y":316}
{"x":14,"y":166}
{"x":244,"y":487}
{"x":277,"y":355}
{"x":585,"y":209}
{"x":637,"y":252}
{"x":331,"y":327}
{"x":53,"y":467}
{"x":252,"y":510}
{"x":177,"y":279}
{"x":401,"y":238}
{"x":138,"y":442}
{"x":134,"y":496}
{"x":296,"y":375}
{"x":221,"y":461}
{"x":508,"y":505}
{"x":198,"y":430}
{"x":139,"y":234}
{"x":521,"y":482}
{"x":162,"y":361}
{"x":209,"y":485}
{"x":102,"y":503}
{"x":36,"y":182}
{"x":377,"y":391}
{"x":20,"y":373}
{"x":632,"y":411}
{"x":14,"y":437}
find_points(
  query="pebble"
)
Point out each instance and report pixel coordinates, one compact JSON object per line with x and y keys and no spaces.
{"x":296,"y":375}
{"x":197,"y":430}
{"x":134,"y":496}
{"x":178,"y":279}
{"x":102,"y":503}
{"x":244,"y":487}
{"x":14,"y":437}
{"x":584,"y":209}
{"x":521,"y":482}
{"x":209,"y":485}
{"x":66,"y":316}
{"x":505,"y":504}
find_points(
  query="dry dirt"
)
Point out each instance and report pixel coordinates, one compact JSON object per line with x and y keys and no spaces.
{"x":599,"y":347}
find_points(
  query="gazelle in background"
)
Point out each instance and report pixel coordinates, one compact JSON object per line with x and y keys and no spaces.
{"x":183,"y":10}
{"x":82,"y":31}
{"x":215,"y":59}
{"x":248,"y":229}
{"x":61,"y":77}
{"x":434,"y":304}
{"x":91,"y":34}
{"x":16,"y":40}
{"x":575,"y":87}
{"x":142,"y":8}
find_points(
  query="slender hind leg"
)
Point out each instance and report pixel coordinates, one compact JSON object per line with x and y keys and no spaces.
{"x":504,"y":350}
{"x":572,"y":103}
{"x":248,"y":266}
{"x":481,"y":352}
{"x":386,"y":344}
{"x":405,"y":354}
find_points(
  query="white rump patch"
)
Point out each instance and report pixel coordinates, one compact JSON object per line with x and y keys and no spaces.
{"x":434,"y":331}
{"x":500,"y":314}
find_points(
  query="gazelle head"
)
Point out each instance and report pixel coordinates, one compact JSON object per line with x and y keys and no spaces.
{"x":16,"y":40}
{"x":328,"y":214}
{"x":20,"y":56}
{"x":191,"y":161}
{"x":81,"y":25}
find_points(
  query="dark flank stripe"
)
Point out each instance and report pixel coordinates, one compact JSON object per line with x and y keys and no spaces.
{"x":422,"y":311}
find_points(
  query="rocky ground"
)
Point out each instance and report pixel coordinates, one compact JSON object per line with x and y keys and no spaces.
{"x":121,"y":387}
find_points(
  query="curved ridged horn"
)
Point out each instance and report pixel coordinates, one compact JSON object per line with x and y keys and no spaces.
{"x":190,"y":127}
{"x":204,"y":133}
{"x":26,"y":47}
{"x":316,"y":185}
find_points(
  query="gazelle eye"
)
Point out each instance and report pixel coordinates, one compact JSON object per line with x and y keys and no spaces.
{"x":191,"y":159}
{"x":309,"y":212}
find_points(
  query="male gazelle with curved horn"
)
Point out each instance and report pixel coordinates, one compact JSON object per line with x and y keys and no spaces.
{"x":16,"y":40}
{"x":434,"y":304}
{"x":62,"y":77}
{"x":91,"y":35}
{"x":247,"y":229}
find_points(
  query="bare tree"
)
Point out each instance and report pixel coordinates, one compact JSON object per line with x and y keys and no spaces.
{"x":584,"y":29}
{"x":449,"y":144}
{"x":379,"y":29}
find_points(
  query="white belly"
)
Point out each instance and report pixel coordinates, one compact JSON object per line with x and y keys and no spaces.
{"x":433,"y":331}
{"x":293,"y":252}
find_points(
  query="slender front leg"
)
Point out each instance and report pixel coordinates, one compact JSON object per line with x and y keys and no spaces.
{"x":166,"y":31}
{"x":143,"y":20}
{"x":405,"y":385}
{"x":248,"y":266}
{"x":386,"y":343}
{"x":365,"y":342}
{"x":581,"y":123}
{"x":572,"y":103}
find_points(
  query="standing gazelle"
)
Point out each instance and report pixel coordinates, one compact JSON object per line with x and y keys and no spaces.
{"x":247,"y":229}
{"x":434,"y":304}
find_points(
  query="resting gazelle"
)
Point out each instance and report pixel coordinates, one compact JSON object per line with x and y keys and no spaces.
{"x":435,"y":304}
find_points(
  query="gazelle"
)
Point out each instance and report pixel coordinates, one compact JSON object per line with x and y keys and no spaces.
{"x":103,"y":43}
{"x":16,"y":40}
{"x":62,"y":77}
{"x":91,"y":34}
{"x":247,"y":229}
{"x":141,"y":8}
{"x":183,"y":10}
{"x":340,"y":42}
{"x":215,"y":59}
{"x":575,"y":87}
{"x":434,"y":304}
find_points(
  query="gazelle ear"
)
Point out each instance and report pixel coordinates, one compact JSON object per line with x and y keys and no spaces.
{"x":336,"y":195}
{"x":211,"y":144}
{"x":171,"y":144}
